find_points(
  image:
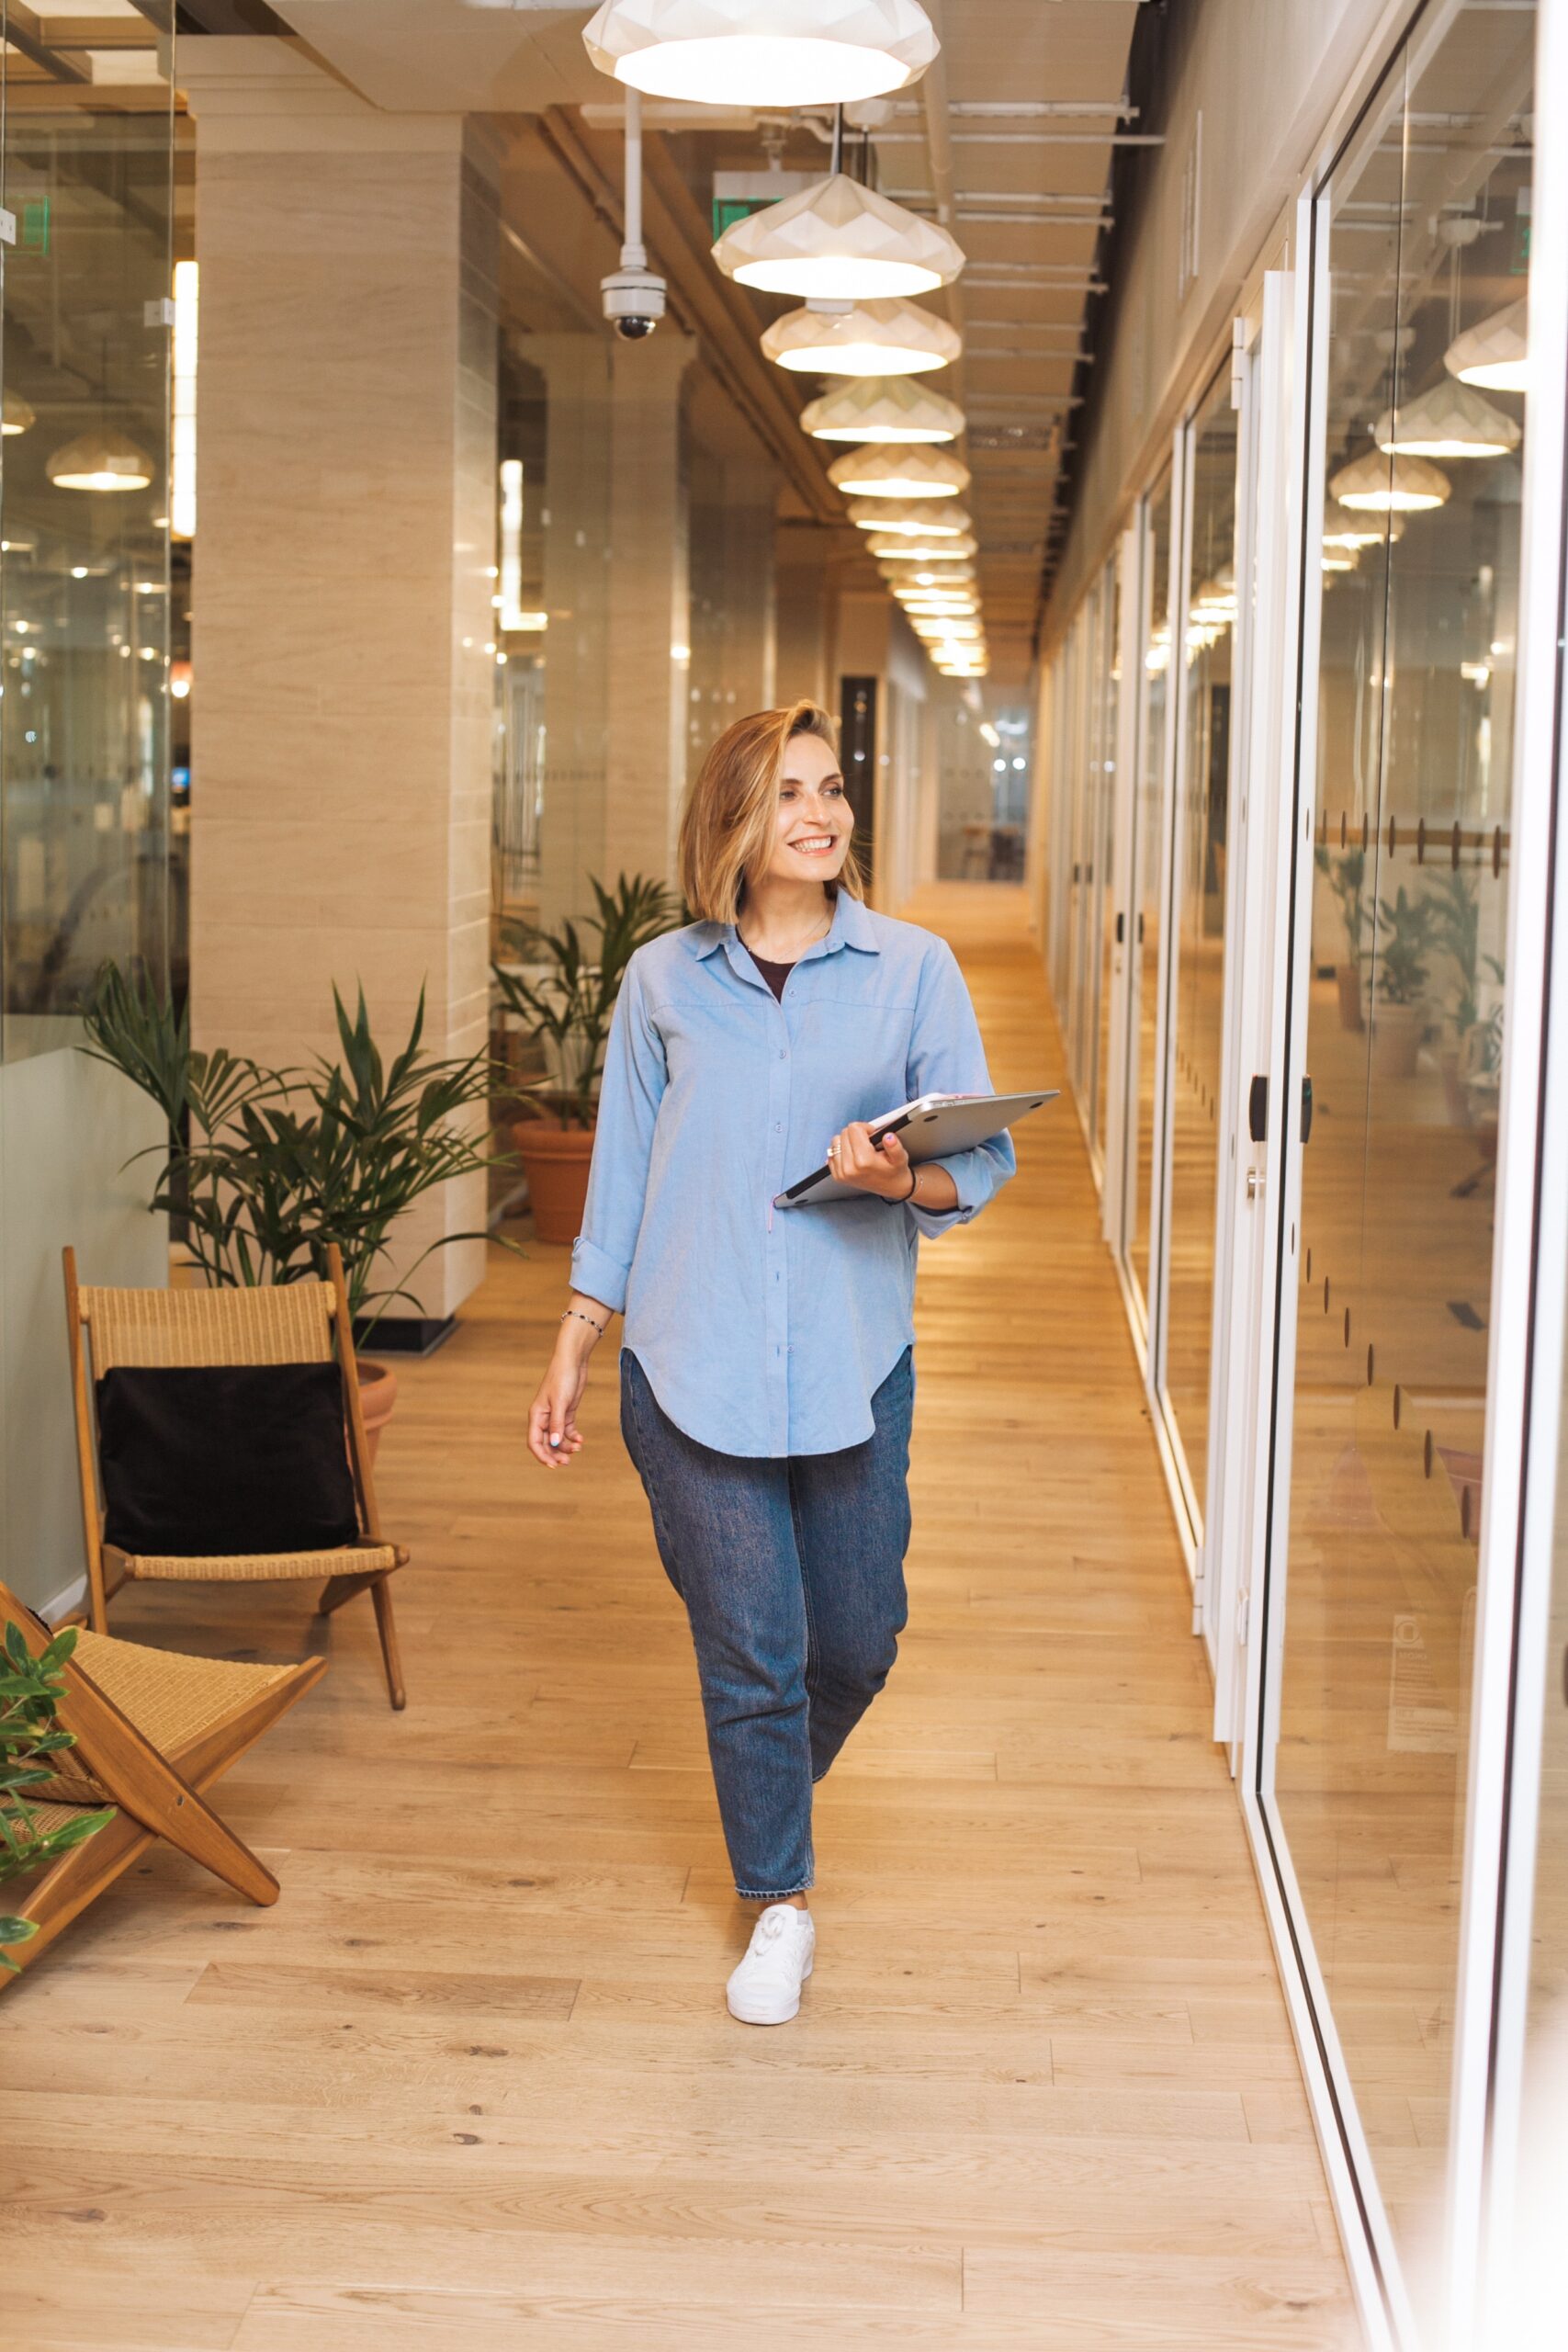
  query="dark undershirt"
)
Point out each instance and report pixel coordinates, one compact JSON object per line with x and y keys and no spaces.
{"x":775,"y":975}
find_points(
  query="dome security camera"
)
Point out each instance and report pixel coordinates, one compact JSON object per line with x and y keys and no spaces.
{"x":633,"y":302}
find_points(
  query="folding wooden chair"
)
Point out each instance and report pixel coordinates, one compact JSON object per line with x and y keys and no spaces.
{"x":290,"y":1323}
{"x":154,"y":1729}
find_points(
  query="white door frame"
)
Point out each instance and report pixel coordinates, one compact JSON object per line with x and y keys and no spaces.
{"x":1122,"y":1078}
{"x":1243,"y":1284}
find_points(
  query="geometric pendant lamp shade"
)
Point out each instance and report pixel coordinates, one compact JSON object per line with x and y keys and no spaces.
{"x":862,"y":339}
{"x":839,"y":242}
{"x":1396,"y":486}
{"x":887,"y":409}
{"x":770,"y":54}
{"x":18,"y":413}
{"x":913,"y":551}
{"x":1452,"y":420}
{"x":909,"y":518}
{"x":870,"y":472}
{"x":1494,"y":354}
{"x":101,"y":459}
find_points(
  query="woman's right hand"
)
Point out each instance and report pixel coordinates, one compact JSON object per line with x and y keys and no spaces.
{"x":553,"y":1434}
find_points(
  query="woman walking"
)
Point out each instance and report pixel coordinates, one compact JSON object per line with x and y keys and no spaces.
{"x":767,"y":1377}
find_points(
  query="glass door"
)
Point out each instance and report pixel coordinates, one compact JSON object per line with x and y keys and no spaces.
{"x":1384,"y":1455}
{"x":1146,"y":930}
{"x":1203,"y":668}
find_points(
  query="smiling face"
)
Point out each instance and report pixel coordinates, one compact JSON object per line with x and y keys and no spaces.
{"x":814,"y":820}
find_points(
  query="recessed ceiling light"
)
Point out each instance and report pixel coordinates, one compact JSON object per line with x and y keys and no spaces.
{"x":772,"y":54}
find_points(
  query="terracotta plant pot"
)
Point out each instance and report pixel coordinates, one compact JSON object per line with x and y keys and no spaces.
{"x":1350,"y":1013}
{"x":555,"y":1160}
{"x":377,"y":1395}
{"x":1396,"y":1037}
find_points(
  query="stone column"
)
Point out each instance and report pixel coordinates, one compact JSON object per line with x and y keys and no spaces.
{"x":734,"y":618}
{"x":343,"y":656}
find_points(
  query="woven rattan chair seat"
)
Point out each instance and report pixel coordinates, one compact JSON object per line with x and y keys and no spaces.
{"x":173,"y":1699}
{"x":259,"y":1568}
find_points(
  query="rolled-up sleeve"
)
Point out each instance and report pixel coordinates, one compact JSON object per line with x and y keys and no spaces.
{"x":946,"y":1056}
{"x":629,"y":1095}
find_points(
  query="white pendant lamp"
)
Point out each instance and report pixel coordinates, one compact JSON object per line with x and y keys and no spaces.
{"x":16,"y":414}
{"x":1494,"y":354}
{"x":862,"y":339}
{"x":919,"y":550}
{"x":909,"y":518}
{"x":837,"y":241}
{"x":889,"y":410}
{"x":772,"y":53}
{"x":1377,"y":485}
{"x":1451,"y":421}
{"x":927,"y":472}
{"x":101,"y":459}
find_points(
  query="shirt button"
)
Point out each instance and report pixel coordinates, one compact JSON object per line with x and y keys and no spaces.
{"x":784,"y":1053}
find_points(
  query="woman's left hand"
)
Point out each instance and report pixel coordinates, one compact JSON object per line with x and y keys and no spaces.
{"x":872,"y":1164}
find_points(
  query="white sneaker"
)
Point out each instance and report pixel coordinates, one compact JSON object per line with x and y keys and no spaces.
{"x":765,"y":1988}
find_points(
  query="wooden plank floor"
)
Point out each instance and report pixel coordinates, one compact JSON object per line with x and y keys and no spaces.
{"x":471,"y":2082}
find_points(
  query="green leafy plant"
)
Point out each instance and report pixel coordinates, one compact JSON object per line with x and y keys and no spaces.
{"x":267,"y":1166}
{"x":31,"y":1691}
{"x":571,"y":1006}
{"x":1403,"y":938}
{"x":1456,"y":930}
{"x":1346,"y":877}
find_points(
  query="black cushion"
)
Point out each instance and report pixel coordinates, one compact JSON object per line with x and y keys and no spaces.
{"x":215,"y":1458}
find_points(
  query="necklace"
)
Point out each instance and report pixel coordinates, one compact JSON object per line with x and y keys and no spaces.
{"x":798,"y":953}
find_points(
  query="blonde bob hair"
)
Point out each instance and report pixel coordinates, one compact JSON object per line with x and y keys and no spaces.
{"x":727,"y":831}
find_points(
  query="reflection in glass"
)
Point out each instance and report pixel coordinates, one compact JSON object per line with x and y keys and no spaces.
{"x":1198,"y":981}
{"x":1428,"y":239}
{"x":1106,"y":688}
{"x":1154,"y":686}
{"x":84,"y":523}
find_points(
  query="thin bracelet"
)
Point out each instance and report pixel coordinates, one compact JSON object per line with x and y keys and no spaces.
{"x":577,"y":1312}
{"x":914,"y":1187}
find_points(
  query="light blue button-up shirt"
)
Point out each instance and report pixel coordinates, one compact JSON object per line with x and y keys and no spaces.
{"x":764,"y":1332}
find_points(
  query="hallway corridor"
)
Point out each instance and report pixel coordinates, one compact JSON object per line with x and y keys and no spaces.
{"x":471,"y":2084}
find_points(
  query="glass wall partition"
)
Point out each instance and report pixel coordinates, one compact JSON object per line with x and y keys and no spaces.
{"x":1106,"y":689}
{"x":85,"y":542}
{"x":1149,"y":823}
{"x":1429,"y":231}
{"x":1201,"y":819}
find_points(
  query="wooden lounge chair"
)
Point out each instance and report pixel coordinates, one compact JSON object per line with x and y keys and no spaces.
{"x":291,"y":1323}
{"x":154,"y":1729}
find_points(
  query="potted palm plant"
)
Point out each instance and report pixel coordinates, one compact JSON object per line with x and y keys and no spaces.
{"x":563,"y":987}
{"x":264,"y":1167}
{"x":1347,"y":875}
{"x":1456,"y":926}
{"x":1402,"y":940}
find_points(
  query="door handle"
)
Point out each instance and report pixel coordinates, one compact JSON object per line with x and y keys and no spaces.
{"x":1306,"y":1110}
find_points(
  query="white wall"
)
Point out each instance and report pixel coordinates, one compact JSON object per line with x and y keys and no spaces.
{"x":67,"y":1127}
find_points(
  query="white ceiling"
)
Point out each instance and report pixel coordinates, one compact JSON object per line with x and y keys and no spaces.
{"x":1027,"y":177}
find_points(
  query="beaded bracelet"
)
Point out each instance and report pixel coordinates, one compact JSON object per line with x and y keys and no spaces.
{"x":576,"y":1312}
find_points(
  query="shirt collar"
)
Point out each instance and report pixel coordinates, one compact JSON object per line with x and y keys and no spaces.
{"x":852,"y":927}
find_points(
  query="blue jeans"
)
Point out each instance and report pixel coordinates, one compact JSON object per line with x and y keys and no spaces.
{"x":792,"y":1571}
